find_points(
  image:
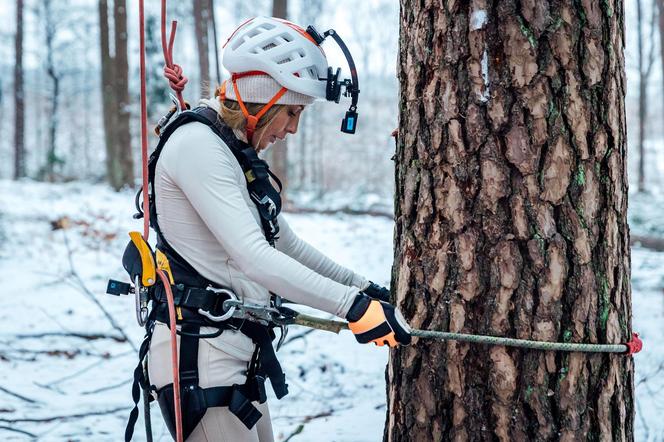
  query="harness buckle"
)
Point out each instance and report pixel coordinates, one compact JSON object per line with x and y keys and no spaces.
{"x":228,"y":309}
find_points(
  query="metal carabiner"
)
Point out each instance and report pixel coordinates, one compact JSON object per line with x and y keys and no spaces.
{"x":141,"y":297}
{"x":229,"y":313}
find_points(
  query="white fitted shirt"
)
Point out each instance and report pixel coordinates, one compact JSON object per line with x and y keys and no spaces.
{"x":206,"y":215}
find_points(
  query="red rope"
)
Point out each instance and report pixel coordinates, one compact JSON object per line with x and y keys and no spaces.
{"x":174,"y":355}
{"x":177,"y":81}
{"x":144,"y":124}
{"x":172,"y":72}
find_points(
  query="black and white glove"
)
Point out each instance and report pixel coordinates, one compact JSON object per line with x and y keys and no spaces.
{"x":376,"y":321}
{"x":376,"y":291}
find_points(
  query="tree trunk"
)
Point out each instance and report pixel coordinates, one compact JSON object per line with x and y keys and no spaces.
{"x":511,"y":202}
{"x":51,"y":156}
{"x":201,"y":24}
{"x":279,"y":151}
{"x":643,"y":112}
{"x":660,"y":10}
{"x":108,"y":96}
{"x":123,"y":149}
{"x":19,"y":97}
{"x":213,"y":24}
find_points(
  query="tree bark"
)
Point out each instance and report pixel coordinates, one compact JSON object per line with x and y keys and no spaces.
{"x":201,"y":24}
{"x":125,"y":159}
{"x":19,"y":97}
{"x":511,"y":203}
{"x":279,"y":151}
{"x":108,"y":96}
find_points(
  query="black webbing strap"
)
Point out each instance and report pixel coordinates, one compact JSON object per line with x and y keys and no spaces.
{"x":192,"y":297}
{"x":189,"y":355}
{"x":268,"y":364}
{"x":139,"y":380}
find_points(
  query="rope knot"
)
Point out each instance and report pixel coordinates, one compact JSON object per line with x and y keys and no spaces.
{"x":176,"y":80}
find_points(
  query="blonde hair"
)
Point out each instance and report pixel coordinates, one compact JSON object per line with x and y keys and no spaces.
{"x":232,"y":115}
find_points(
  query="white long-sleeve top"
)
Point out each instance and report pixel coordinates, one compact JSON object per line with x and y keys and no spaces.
{"x":206,"y":215}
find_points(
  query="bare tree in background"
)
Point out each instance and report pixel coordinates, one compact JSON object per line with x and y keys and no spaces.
{"x":660,"y":15}
{"x":202,"y":15}
{"x":511,"y":220}
{"x":115,"y":84}
{"x":215,"y":42}
{"x":279,"y":151}
{"x":645,"y":68}
{"x":19,"y":97}
{"x":48,"y":171}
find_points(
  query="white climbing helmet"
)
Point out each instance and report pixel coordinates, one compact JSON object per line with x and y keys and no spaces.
{"x":280,"y":49}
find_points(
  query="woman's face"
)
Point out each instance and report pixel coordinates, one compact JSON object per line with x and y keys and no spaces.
{"x":285,"y":122}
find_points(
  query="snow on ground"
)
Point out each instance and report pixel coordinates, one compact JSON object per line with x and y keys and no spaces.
{"x":337,"y":386}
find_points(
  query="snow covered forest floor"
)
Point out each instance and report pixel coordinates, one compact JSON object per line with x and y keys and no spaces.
{"x":65,"y":375}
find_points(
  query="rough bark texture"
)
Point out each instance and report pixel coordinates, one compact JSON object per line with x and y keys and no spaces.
{"x":511,"y":201}
{"x":201,"y":24}
{"x":19,"y":96}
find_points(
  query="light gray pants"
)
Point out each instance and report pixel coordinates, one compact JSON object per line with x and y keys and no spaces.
{"x":221,"y":361}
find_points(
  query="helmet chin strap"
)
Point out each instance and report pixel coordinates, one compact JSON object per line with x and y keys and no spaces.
{"x":252,"y":120}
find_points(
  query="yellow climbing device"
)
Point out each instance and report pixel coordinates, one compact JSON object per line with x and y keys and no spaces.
{"x":163,"y":264}
{"x":148,"y":273}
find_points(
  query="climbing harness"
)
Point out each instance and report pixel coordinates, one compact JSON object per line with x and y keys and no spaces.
{"x":199,"y":302}
{"x":169,"y":290}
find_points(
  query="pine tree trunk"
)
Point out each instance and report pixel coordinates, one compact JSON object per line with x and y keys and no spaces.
{"x":19,"y":97}
{"x":201,"y":25}
{"x":511,"y":200}
{"x":279,"y":151}
{"x":125,"y":159}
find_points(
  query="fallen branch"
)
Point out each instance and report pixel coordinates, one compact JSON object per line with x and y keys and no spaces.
{"x":18,"y":396}
{"x":344,"y":210}
{"x":63,"y":417}
{"x":109,"y":387}
{"x":17,"y":430}
{"x":297,"y":431}
{"x":86,"y":336}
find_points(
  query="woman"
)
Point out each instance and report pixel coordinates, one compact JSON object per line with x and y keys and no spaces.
{"x":210,"y":226}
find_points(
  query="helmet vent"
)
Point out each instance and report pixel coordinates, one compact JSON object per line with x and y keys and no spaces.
{"x":269,"y":46}
{"x":254,"y":32}
{"x":285,"y":60}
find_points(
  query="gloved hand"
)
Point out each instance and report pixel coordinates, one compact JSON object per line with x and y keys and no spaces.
{"x":375,"y":321}
{"x":376,"y":291}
